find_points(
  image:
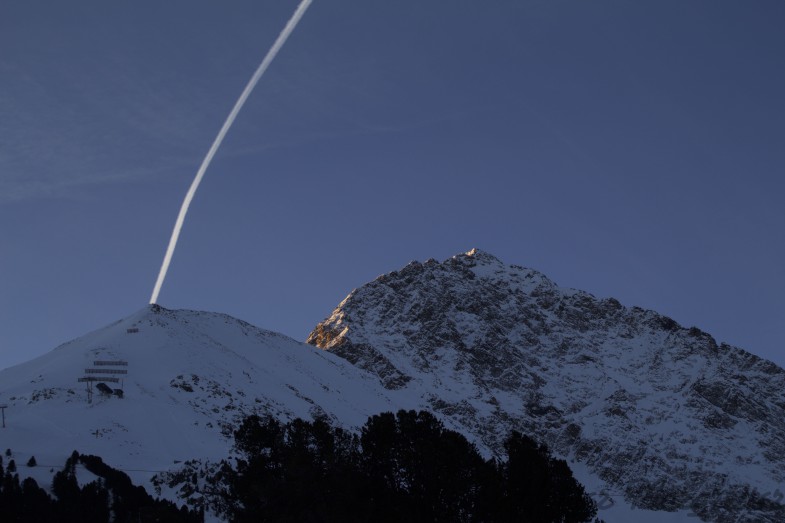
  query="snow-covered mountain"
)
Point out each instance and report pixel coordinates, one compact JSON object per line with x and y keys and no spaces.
{"x":642,"y":408}
{"x":189,"y":376}
{"x":660,"y":412}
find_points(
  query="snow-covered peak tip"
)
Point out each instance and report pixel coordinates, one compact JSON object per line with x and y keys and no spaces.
{"x":149,"y":310}
{"x":156,"y":313}
{"x":144,"y":312}
{"x":479,"y":257}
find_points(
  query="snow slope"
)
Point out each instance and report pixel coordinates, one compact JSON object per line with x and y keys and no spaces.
{"x":190,"y":376}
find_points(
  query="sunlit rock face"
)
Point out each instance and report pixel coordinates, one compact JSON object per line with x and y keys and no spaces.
{"x":660,"y":412}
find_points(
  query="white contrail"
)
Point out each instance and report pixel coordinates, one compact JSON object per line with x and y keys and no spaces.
{"x":290,"y":25}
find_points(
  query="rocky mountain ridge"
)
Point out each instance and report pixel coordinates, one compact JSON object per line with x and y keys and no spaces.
{"x":660,"y":412}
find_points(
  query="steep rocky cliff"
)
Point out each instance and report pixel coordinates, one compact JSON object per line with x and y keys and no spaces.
{"x":661,"y":412}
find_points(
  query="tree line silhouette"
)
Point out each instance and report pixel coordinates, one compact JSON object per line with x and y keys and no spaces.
{"x":112,"y":497}
{"x":404,"y":467}
{"x":401,"y":467}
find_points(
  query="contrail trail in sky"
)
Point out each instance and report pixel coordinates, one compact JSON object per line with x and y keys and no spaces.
{"x":290,"y":25}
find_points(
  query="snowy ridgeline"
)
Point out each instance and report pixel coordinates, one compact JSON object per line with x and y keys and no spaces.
{"x":648,"y":413}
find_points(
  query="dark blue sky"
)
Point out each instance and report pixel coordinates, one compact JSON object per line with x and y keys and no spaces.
{"x":629,"y":149}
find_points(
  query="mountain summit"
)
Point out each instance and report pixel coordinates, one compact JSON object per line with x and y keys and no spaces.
{"x":660,"y":412}
{"x":187,"y":379}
